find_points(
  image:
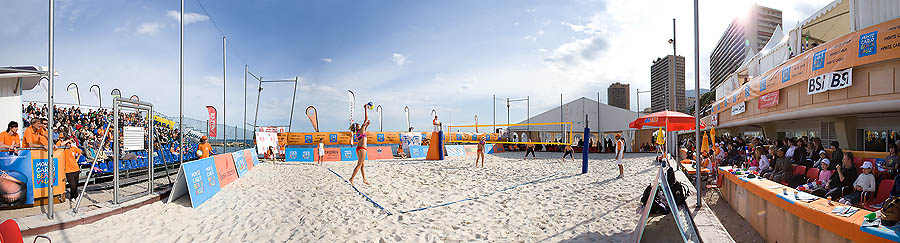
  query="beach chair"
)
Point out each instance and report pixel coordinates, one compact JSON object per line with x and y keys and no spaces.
{"x":858,"y":162}
{"x":881,"y":193}
{"x":797,"y":177}
{"x":812,"y":175}
{"x":10,"y":233}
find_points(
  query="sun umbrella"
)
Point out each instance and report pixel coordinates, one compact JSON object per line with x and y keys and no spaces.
{"x":670,"y":120}
{"x":712,"y":135}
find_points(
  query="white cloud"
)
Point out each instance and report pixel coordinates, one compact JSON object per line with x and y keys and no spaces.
{"x":150,"y":28}
{"x":189,"y":17}
{"x":537,"y":34}
{"x":577,"y":52}
{"x":530,"y":10}
{"x":399,"y":59}
{"x":326,"y":59}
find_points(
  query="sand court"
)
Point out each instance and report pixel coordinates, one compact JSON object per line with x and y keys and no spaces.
{"x":531,"y":200}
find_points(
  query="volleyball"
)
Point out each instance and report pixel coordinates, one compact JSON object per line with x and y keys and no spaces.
{"x":199,"y":153}
{"x":370,"y":105}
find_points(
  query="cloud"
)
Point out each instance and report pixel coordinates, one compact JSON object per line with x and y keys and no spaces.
{"x":399,"y":59}
{"x":537,"y":34}
{"x":326,"y":59}
{"x":577,"y":52}
{"x":189,"y":17}
{"x":150,"y":28}
{"x":530,"y":10}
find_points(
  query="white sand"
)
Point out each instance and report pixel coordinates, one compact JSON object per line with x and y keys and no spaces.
{"x":307,"y":203}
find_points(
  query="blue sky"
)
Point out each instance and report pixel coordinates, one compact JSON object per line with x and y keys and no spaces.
{"x":450,"y":56}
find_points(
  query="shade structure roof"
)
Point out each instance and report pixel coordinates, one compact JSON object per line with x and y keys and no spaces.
{"x":669,"y":120}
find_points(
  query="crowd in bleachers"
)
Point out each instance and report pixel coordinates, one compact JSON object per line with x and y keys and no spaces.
{"x":808,"y":165}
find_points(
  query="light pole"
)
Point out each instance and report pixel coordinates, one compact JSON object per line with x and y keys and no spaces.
{"x":50,"y":112}
{"x":639,"y":100}
{"x":224,"y":110}
{"x":697,"y":102}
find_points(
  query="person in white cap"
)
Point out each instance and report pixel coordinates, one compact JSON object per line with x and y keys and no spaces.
{"x":864,"y":183}
{"x":824,"y":175}
{"x":822,"y":159}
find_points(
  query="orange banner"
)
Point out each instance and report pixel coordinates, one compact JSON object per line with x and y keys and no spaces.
{"x":870,"y":45}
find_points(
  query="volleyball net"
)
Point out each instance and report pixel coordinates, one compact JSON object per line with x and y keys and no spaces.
{"x":549,"y":133}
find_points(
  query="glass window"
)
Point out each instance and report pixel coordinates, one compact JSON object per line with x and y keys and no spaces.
{"x":876,"y":140}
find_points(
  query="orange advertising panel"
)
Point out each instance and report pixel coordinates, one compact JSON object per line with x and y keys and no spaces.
{"x":331,"y":154}
{"x":870,"y":45}
{"x":379,"y":152}
{"x":225,"y":169}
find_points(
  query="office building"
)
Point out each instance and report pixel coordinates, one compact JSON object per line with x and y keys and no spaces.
{"x":660,"y":73}
{"x":619,"y":95}
{"x":743,"y":38}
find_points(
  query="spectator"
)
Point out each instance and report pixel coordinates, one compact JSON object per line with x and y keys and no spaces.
{"x":863,"y":183}
{"x":837,"y":155}
{"x":35,"y":134}
{"x":782,"y":168}
{"x":891,"y":162}
{"x":204,"y":147}
{"x":824,"y":176}
{"x":70,"y":160}
{"x":841,"y":181}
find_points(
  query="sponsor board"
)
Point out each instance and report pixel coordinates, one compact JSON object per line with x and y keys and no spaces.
{"x":768,"y":100}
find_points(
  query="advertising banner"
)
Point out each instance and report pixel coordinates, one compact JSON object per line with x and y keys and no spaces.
{"x":418,"y":151}
{"x":212,"y":121}
{"x":254,"y":156}
{"x":455,"y":150}
{"x":265,"y":140}
{"x":240,"y":163}
{"x":349,"y":154}
{"x":739,"y":108}
{"x":339,"y":138}
{"x":830,"y":81}
{"x":271,"y":129}
{"x":332,"y":154}
{"x":489,"y":148}
{"x":163,"y":122}
{"x":379,"y":152}
{"x":471,"y":150}
{"x":225,"y":169}
{"x":870,"y":45}
{"x":40,"y":181}
{"x":299,"y":155}
{"x":201,"y":180}
{"x":768,"y":100}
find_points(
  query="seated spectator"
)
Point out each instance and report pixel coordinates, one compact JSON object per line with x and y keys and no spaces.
{"x":864,"y":183}
{"x":824,"y":176}
{"x":400,"y":152}
{"x":822,"y":159}
{"x":892,"y":161}
{"x":35,"y":135}
{"x":837,"y":155}
{"x":782,"y":168}
{"x":841,"y":181}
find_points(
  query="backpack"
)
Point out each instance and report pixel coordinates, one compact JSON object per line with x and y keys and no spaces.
{"x":890,"y":212}
{"x":658,"y":206}
{"x":680,"y":191}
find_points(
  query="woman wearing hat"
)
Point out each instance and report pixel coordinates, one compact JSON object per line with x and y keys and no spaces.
{"x":864,"y":183}
{"x":824,"y":174}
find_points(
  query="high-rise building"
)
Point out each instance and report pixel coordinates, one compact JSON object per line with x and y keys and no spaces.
{"x":619,"y":95}
{"x":743,"y":38}
{"x":660,"y":73}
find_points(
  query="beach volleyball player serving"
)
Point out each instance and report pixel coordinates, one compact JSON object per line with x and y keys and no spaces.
{"x":359,"y":132}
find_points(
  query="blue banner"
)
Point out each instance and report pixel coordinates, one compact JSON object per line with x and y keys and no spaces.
{"x":299,"y":154}
{"x":240,"y":164}
{"x":349,"y":154}
{"x":255,"y":156}
{"x":202,"y":180}
{"x":418,"y":151}
{"x":16,"y":178}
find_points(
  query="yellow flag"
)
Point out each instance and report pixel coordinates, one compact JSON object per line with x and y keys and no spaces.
{"x":704,"y":146}
{"x":712,"y":135}
{"x":660,"y":137}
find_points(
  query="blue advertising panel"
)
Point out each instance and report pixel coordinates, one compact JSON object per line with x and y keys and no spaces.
{"x":201,"y":179}
{"x":240,"y":164}
{"x":255,"y":156}
{"x":299,"y":154}
{"x":16,"y":179}
{"x":349,"y":154}
{"x":418,"y":151}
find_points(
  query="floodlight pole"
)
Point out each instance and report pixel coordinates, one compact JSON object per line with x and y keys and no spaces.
{"x":244,"y":132}
{"x":50,"y":178}
{"x":224,"y":93}
{"x":180,"y":91}
{"x":697,"y":102}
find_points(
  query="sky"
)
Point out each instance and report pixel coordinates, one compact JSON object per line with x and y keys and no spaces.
{"x":449,"y":56}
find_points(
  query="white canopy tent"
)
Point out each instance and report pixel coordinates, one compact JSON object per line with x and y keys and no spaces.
{"x":14,"y":80}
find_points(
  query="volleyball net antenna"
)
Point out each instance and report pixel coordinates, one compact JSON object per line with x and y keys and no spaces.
{"x":563,"y":129}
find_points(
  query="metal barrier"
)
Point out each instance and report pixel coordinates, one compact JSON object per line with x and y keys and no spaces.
{"x":138,"y":106}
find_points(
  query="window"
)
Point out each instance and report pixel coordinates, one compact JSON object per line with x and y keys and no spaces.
{"x":877,"y":140}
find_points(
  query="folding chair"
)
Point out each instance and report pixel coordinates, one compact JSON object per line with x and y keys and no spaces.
{"x":10,"y":232}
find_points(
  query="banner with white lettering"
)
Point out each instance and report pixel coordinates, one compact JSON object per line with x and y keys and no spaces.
{"x":830,"y":81}
{"x":211,"y":121}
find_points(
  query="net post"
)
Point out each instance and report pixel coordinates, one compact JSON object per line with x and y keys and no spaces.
{"x":585,"y":149}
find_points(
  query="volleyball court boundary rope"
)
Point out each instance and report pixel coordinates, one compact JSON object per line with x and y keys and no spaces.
{"x":363,"y":194}
{"x":483,"y":196}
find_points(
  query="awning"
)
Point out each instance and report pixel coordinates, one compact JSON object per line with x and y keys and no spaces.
{"x":29,"y":75}
{"x":830,"y":22}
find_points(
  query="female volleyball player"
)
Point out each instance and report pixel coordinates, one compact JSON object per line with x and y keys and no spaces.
{"x":480,"y":154}
{"x":359,"y":131}
{"x":321,"y":151}
{"x":569,"y":152}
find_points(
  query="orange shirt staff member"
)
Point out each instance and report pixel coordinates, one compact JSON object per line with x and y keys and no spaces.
{"x":9,"y":140}
{"x":71,"y":153}
{"x":204,"y":147}
{"x":35,"y":135}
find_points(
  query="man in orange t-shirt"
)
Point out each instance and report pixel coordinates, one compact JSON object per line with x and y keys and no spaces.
{"x":34,"y":135}
{"x":205,"y":147}
{"x":9,"y":139}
